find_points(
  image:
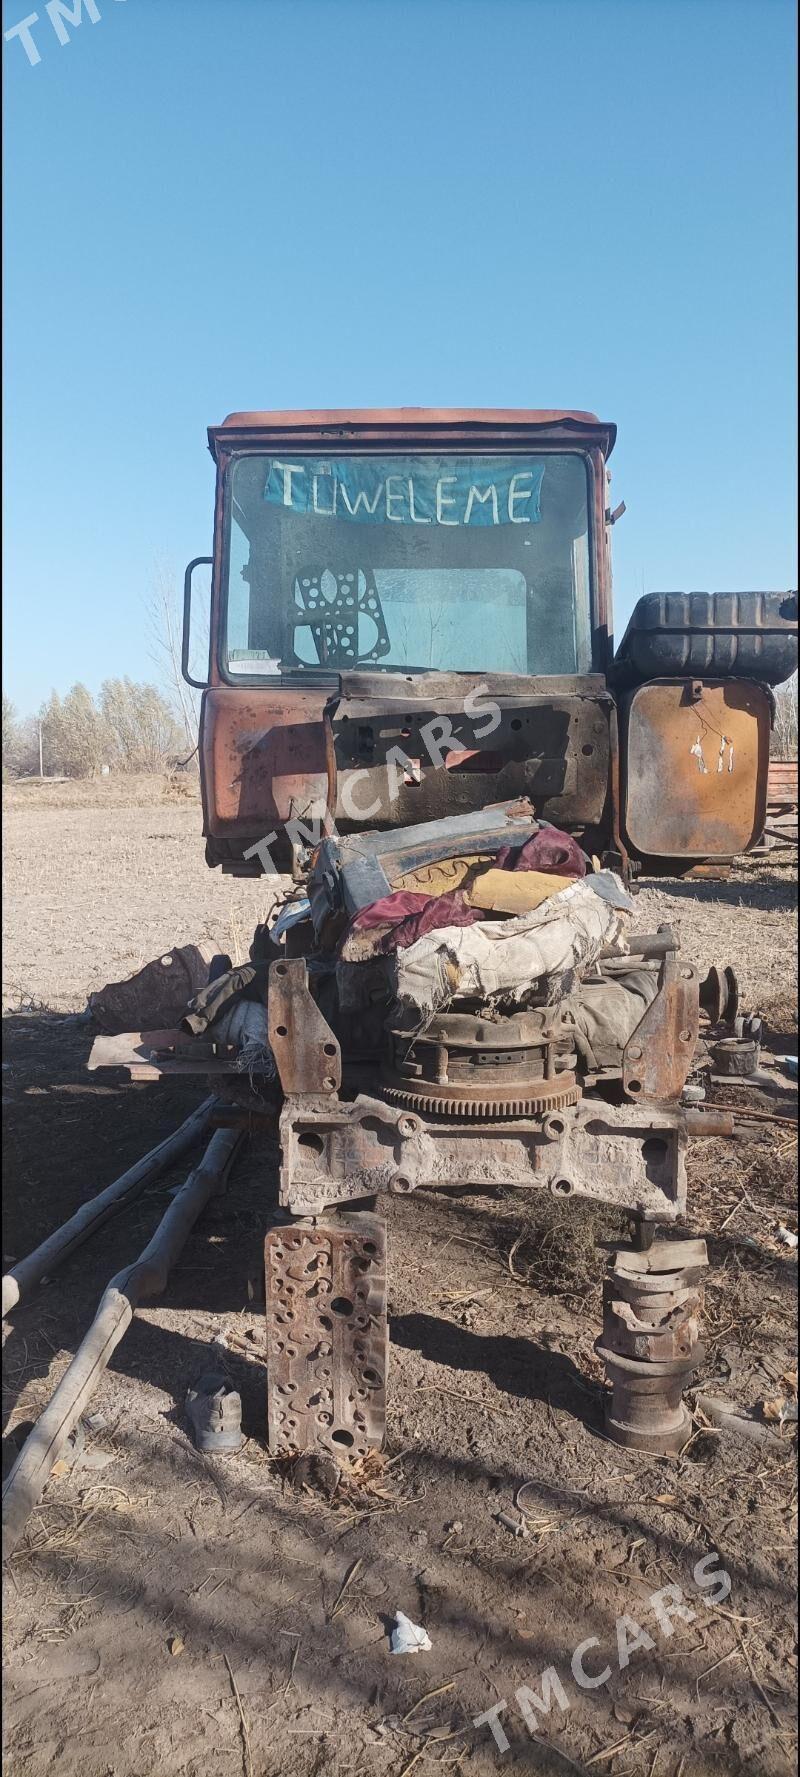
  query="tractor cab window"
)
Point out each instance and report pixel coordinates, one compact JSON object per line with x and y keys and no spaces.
{"x":407,"y":563}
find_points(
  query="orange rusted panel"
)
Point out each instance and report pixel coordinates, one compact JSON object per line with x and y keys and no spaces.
{"x":697,"y":756}
{"x":263,"y":757}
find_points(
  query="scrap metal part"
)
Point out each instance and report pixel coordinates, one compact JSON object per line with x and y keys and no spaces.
{"x":719,"y":995}
{"x":344,"y":1149}
{"x":307,"y":1054}
{"x":327,"y":1338}
{"x":738,"y":1057}
{"x":735,"y":1059}
{"x":629,"y":1155}
{"x":461,"y":1099}
{"x":465,"y":1064}
{"x":657,"y":1058}
{"x":650,"y":1344}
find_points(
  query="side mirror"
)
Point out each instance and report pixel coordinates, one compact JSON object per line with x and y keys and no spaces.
{"x":200,"y":561}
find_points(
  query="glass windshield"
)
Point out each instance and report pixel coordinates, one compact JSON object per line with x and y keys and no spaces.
{"x":465,"y":564}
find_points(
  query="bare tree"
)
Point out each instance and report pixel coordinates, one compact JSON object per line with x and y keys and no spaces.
{"x":10,"y":728}
{"x":76,"y":736}
{"x":165,"y":627}
{"x":20,"y":742}
{"x":784,"y":733}
{"x":146,"y":734}
{"x":25,"y":752}
{"x":129,"y":727}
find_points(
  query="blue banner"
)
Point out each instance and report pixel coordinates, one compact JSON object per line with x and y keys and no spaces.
{"x":447,"y":491}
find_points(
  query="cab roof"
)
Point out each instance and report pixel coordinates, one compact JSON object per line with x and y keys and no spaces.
{"x":410,"y":426}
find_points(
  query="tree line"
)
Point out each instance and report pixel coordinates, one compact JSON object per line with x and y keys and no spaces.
{"x":784,"y":731}
{"x":128,"y":727}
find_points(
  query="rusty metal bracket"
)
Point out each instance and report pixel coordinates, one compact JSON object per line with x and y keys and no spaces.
{"x":657,"y":1057}
{"x":327,"y":1337}
{"x":307,"y":1055}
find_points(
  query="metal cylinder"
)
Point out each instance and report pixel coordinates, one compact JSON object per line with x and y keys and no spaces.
{"x":650,"y":1344}
{"x":646,"y":1409}
{"x":736,"y":1058}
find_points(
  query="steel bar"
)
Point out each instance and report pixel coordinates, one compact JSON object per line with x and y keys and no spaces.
{"x":644,"y":944}
{"x":45,"y":1259}
{"x":147,"y":1276}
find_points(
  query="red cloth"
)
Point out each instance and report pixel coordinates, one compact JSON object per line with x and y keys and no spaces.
{"x":553,"y":852}
{"x":412,"y":914}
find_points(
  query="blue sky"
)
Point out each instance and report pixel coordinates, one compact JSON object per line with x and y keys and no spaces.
{"x":221,"y":204}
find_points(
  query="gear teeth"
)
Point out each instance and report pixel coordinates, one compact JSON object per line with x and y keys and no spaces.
{"x":474,"y":1108}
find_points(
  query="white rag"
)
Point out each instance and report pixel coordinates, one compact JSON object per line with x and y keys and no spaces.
{"x":512,"y":959}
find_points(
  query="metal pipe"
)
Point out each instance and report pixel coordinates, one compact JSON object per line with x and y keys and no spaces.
{"x":331,"y":770}
{"x":648,"y":944}
{"x":713,"y":1122}
{"x":147,"y":1276}
{"x":46,"y":1258}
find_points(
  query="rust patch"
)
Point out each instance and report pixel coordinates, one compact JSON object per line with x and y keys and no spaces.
{"x":307,"y":1055}
{"x":696,"y":760}
{"x":658,"y":1056}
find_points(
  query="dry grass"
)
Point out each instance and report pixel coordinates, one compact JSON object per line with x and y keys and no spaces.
{"x":94,"y":890}
{"x":143,"y":790}
{"x":283,"y":1596}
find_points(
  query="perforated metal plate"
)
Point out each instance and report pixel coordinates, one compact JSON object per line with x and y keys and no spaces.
{"x":327,"y":1339}
{"x":330,"y":603}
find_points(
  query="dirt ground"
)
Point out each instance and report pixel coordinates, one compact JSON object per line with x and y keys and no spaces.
{"x":185,"y":1615}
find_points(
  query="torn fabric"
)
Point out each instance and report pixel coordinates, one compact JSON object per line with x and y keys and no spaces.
{"x":512,"y":960}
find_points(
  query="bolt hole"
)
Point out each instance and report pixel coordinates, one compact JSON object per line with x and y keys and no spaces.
{"x":329,"y":1048}
{"x":371,"y":1376}
{"x":370,"y":1247}
{"x":587,"y":751}
{"x":634,"y":1085}
{"x":341,"y":1305}
{"x":280,"y":1030}
{"x":280,"y":968}
{"x":343,"y":1437}
{"x":563,"y":1187}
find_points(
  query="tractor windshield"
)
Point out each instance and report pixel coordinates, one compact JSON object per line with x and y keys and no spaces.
{"x":407,"y":563}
